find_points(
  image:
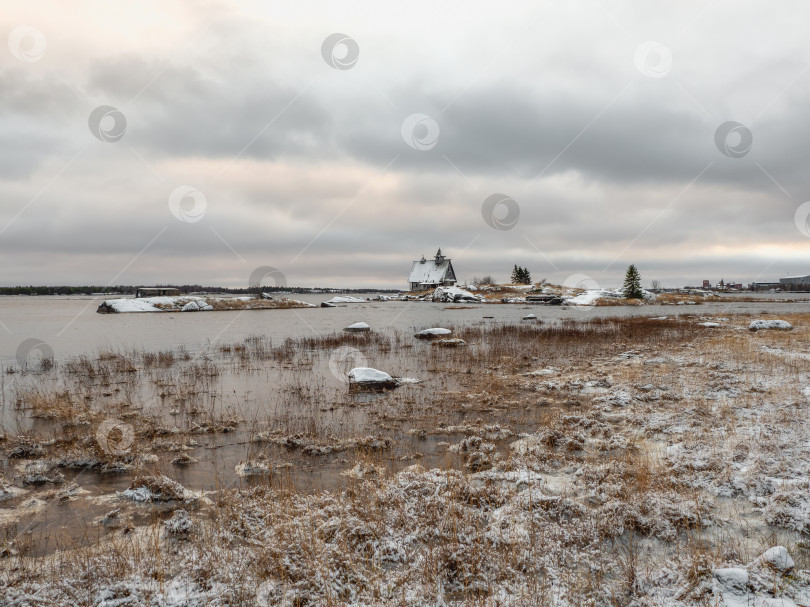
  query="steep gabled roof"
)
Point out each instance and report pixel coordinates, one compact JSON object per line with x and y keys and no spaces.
{"x":431,"y":272}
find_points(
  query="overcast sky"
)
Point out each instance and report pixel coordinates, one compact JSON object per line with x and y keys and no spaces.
{"x":233,"y":136}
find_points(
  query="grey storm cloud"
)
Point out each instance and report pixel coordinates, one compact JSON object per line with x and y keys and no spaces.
{"x":497,"y":130}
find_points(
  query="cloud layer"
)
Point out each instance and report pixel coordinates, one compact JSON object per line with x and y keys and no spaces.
{"x":599,"y":120}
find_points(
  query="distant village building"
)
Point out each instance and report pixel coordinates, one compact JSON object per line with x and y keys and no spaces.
{"x":795,"y":283}
{"x":432,"y":273}
{"x":764,"y":286}
{"x":720,"y":286}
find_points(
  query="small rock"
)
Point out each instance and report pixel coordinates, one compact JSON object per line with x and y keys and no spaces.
{"x":530,"y":317}
{"x":358,"y":327}
{"x":184,"y":459}
{"x":112,"y":519}
{"x":449,"y":343}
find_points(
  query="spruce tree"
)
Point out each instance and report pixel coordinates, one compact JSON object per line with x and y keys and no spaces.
{"x":632,"y":283}
{"x":521,"y":276}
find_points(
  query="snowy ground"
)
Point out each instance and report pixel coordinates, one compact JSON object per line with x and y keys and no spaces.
{"x":667,"y":464}
{"x":190,"y":303}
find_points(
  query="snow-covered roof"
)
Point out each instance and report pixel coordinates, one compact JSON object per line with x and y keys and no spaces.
{"x":431,"y":271}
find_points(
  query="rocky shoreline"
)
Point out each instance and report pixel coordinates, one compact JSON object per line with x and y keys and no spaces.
{"x":189,"y":303}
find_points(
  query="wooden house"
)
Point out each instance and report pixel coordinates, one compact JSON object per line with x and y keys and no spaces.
{"x":432,"y":273}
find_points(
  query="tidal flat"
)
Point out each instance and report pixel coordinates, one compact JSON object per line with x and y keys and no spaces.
{"x":585,"y":461}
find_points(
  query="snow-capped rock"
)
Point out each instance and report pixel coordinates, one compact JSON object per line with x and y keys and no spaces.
{"x":778,"y":559}
{"x":367,"y":374}
{"x":757,"y":325}
{"x":432,"y":333}
{"x":454,"y":294}
{"x":366,"y":377}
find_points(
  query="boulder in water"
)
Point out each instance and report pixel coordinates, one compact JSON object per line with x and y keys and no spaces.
{"x":433,"y":333}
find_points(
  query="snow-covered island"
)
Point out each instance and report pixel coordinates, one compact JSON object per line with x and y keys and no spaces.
{"x":190,"y":303}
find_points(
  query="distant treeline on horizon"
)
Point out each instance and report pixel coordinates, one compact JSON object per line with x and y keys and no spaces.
{"x":184,"y":289}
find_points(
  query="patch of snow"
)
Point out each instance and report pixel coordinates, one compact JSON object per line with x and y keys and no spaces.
{"x":591,"y":296}
{"x":358,"y":327}
{"x":143,"y":304}
{"x":542,"y":372}
{"x":142,"y":495}
{"x":180,"y":523}
{"x":252,"y":468}
{"x":195,"y":306}
{"x":345,"y":300}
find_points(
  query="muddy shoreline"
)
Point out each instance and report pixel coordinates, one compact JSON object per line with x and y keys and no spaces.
{"x":655,"y":440}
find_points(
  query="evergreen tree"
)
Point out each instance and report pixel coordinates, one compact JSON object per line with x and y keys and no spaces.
{"x":521,"y":276}
{"x":527,"y":277}
{"x":632,"y":284}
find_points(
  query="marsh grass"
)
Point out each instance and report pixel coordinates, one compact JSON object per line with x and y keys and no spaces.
{"x":607,"y":488}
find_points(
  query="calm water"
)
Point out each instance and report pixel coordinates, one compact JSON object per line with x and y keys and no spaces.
{"x":70,"y":325}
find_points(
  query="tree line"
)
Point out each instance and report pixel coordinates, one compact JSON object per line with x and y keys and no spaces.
{"x":184,"y":289}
